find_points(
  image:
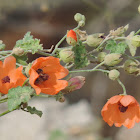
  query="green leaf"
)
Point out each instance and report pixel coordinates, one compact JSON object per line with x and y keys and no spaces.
{"x":57,"y":135}
{"x":18,"y":95}
{"x":113,"y":47}
{"x":21,"y":59}
{"x":121,"y":47}
{"x":29,"y":43}
{"x":33,"y":110}
{"x":80,"y":53}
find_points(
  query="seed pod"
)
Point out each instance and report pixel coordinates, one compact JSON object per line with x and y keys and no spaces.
{"x":66,"y":55}
{"x":135,"y":40}
{"x":94,"y":40}
{"x":114,"y":74}
{"x":112,"y":59}
{"x":131,"y":67}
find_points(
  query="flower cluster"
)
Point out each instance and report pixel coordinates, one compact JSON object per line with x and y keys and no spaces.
{"x":44,"y":73}
{"x":20,"y":81}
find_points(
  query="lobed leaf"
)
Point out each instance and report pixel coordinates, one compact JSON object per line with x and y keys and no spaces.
{"x":18,"y":95}
{"x":80,"y":56}
{"x":29,"y":43}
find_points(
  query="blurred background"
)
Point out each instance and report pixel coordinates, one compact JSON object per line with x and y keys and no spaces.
{"x":79,"y":117}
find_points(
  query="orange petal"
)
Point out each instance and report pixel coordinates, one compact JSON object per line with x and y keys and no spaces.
{"x":127,"y":99}
{"x":51,"y":65}
{"x":16,"y":75}
{"x":54,"y":89}
{"x":32,"y":78}
{"x":9,"y":64}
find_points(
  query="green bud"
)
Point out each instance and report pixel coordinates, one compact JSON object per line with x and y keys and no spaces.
{"x":66,"y":55}
{"x":135,"y":40}
{"x":131,"y":67}
{"x":78,"y":17}
{"x":27,"y":69}
{"x":114,"y":74}
{"x":18,"y":51}
{"x":101,"y":56}
{"x":94,"y":40}
{"x":81,"y":23}
{"x":112,"y":59}
{"x":139,"y":9}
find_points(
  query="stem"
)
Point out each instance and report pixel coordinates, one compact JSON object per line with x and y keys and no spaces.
{"x":91,"y":70}
{"x":25,"y":82}
{"x":46,"y":96}
{"x":5,"y":56}
{"x":4,"y":113}
{"x":43,"y":53}
{"x":64,"y":37}
{"x":97,"y":49}
{"x":122,"y":85}
{"x":3,"y":101}
{"x":120,"y":38}
{"x":137,"y":32}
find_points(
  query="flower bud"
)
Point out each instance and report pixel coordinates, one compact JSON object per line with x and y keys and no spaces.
{"x":135,"y":40}
{"x":71,"y":38}
{"x":114,"y":74}
{"x":18,"y":51}
{"x":94,"y":40}
{"x":131,"y":67}
{"x":78,"y":17}
{"x":112,"y":59}
{"x":66,"y":55}
{"x":82,"y":23}
{"x":139,"y":9}
{"x":62,"y":99}
{"x":74,"y":83}
{"x":101,"y":56}
{"x":27,"y":69}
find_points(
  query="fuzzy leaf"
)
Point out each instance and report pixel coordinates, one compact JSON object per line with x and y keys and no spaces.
{"x":33,"y":110}
{"x":113,"y":47}
{"x":18,"y":95}
{"x":29,"y":43}
{"x":80,"y":53}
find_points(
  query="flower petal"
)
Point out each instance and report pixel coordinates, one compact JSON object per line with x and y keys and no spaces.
{"x":54,"y":89}
{"x":33,"y":77}
{"x":9,"y":64}
{"x":127,"y":99}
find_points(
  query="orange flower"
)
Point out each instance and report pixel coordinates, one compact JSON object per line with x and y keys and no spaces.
{"x":121,"y":110}
{"x":10,"y":77}
{"x":45,"y":74}
{"x":72,"y":34}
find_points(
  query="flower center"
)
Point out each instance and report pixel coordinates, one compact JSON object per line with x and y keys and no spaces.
{"x":42,"y":76}
{"x":122,"y":108}
{"x":6,"y":79}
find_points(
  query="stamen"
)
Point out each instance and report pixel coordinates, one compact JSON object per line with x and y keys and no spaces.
{"x":6,"y":79}
{"x":122,"y":108}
